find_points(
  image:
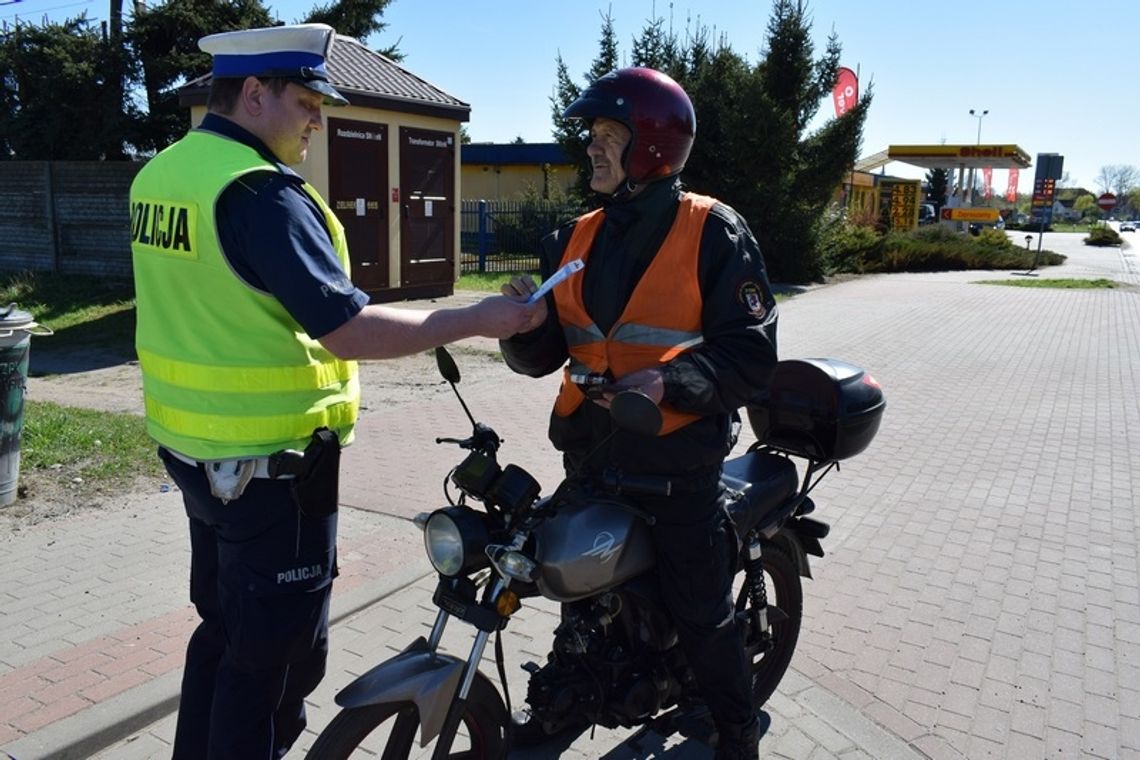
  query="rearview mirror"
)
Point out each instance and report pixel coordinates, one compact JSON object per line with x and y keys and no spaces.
{"x":635,"y":412}
{"x":446,"y":365}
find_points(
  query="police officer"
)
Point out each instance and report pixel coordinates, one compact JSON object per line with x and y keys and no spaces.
{"x":248,"y":325}
{"x":674,"y":301}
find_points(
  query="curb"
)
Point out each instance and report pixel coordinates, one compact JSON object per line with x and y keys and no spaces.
{"x":102,"y":725}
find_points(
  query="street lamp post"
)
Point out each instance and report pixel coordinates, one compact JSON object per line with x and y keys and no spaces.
{"x":979,"y":115}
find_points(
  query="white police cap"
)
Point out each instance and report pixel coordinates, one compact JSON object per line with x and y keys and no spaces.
{"x":296,"y":52}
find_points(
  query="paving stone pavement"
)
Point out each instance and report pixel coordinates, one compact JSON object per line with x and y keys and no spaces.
{"x":979,"y":597}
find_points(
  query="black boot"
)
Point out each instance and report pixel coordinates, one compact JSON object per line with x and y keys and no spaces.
{"x":738,"y":742}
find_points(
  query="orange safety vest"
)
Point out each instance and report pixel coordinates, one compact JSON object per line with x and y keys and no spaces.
{"x":661,"y":321}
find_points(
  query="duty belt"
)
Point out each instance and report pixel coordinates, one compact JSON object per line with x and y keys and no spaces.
{"x":280,"y":465}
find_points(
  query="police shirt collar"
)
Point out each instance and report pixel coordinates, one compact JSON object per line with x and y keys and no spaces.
{"x":220,"y":125}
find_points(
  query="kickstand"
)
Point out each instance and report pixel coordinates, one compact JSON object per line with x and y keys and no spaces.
{"x":662,"y":724}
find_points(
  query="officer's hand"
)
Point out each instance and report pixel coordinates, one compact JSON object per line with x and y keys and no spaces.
{"x":502,"y":317}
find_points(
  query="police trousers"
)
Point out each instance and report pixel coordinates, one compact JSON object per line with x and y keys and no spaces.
{"x":695,"y":545}
{"x":260,"y":578}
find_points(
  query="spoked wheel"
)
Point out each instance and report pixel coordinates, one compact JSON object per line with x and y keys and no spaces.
{"x":785,"y":611}
{"x":392,"y":731}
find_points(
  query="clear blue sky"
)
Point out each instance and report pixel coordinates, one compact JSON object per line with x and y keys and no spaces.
{"x":1056,"y":77}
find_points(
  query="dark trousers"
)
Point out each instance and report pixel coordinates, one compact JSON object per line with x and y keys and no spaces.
{"x":695,"y":546}
{"x":261,"y":578}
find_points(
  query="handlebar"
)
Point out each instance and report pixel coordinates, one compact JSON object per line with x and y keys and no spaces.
{"x":484,"y":439}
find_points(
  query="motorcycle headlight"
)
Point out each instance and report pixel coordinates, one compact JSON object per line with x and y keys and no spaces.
{"x":455,"y":538}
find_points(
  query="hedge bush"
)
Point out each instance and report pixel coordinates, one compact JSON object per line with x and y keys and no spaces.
{"x":855,"y":249}
{"x":1103,"y":236}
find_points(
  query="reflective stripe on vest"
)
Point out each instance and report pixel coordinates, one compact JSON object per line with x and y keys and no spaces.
{"x":661,"y":320}
{"x":226,"y":370}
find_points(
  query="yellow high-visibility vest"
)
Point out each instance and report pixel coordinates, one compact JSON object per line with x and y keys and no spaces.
{"x":227,"y":372}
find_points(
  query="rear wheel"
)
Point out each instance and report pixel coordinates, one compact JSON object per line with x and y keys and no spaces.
{"x":771,"y":656}
{"x":391,"y":731}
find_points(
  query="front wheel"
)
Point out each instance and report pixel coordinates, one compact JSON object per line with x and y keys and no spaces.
{"x":771,"y":657}
{"x":391,"y":731}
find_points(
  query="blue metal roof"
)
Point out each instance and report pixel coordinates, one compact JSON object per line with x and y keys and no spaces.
{"x":500,"y":154}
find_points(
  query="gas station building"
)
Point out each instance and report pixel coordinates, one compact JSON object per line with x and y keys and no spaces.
{"x":900,"y":198}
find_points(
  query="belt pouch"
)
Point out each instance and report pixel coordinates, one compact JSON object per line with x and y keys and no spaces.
{"x":316,"y":489}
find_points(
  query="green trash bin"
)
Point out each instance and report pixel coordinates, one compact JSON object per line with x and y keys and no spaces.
{"x":16,"y":330}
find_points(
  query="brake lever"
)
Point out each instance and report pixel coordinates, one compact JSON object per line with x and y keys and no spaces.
{"x":485,"y":439}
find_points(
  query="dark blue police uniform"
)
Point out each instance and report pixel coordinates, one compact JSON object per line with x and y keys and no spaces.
{"x":261,"y":570}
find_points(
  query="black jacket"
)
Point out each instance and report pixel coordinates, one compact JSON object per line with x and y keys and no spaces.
{"x":732,"y":366}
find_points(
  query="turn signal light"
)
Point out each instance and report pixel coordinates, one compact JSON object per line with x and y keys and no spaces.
{"x":508,"y":603}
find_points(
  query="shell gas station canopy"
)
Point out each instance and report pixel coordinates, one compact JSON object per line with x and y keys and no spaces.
{"x":960,"y":156}
{"x":963,"y":158}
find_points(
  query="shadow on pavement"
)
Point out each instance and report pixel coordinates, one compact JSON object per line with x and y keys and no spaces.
{"x":98,"y":344}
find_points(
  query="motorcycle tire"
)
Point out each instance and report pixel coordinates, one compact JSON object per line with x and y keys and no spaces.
{"x":349,"y":735}
{"x":782,"y":583}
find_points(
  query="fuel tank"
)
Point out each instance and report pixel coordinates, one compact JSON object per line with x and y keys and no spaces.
{"x":588,"y":547}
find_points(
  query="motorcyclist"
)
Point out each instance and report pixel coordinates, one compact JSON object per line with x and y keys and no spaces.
{"x":674,"y":301}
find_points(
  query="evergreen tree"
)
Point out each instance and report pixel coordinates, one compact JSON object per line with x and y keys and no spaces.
{"x":58,"y":76}
{"x":165,"y":41}
{"x":655,"y":48}
{"x":752,"y":149}
{"x":59,"y":99}
{"x":571,"y":134}
{"x":937,"y":180}
{"x":355,"y":18}
{"x":719,"y":83}
{"x":795,"y":174}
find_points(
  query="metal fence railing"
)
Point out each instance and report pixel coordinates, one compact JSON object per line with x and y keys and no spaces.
{"x":503,"y":236}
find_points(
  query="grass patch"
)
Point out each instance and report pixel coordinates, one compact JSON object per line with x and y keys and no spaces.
{"x":489,"y":282}
{"x":83,"y":311}
{"x":1063,"y":284}
{"x":111,"y":447}
{"x":74,"y":458}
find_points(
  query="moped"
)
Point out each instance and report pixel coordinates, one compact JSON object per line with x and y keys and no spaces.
{"x":615,"y":660}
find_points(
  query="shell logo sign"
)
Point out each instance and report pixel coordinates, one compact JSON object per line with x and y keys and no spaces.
{"x":987,"y":151}
{"x":1006,"y":156}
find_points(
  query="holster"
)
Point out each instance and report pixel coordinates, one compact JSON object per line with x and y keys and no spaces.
{"x":316,"y":486}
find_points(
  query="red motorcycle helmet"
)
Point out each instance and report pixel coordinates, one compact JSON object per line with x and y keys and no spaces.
{"x":654,"y":108}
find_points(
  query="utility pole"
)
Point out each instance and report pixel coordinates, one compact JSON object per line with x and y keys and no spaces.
{"x":979,"y":116}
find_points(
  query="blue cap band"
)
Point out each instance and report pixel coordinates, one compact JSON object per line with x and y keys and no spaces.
{"x":262,"y":64}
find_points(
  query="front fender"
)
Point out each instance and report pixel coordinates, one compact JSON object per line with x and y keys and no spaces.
{"x":428,"y":679}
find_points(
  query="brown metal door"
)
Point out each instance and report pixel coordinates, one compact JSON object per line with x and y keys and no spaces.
{"x":358,"y":181}
{"x":427,"y":206}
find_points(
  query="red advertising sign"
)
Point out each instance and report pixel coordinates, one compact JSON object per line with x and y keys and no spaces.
{"x":987,"y":182}
{"x":1107,"y":202}
{"x":1011,"y":188}
{"x":846,"y":91}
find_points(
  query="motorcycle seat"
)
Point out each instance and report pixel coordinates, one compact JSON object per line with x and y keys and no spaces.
{"x":765,"y":481}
